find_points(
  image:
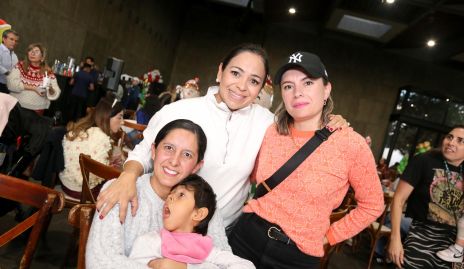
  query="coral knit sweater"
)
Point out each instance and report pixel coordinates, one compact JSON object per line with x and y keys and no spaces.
{"x":301,"y":205}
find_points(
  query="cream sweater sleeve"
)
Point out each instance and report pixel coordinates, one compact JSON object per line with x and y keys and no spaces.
{"x":56,"y":88}
{"x":13,"y":81}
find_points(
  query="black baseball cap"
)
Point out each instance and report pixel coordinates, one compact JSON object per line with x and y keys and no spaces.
{"x":309,"y":62}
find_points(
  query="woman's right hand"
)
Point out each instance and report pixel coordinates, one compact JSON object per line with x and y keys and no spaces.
{"x":396,"y":252}
{"x":122,"y":191}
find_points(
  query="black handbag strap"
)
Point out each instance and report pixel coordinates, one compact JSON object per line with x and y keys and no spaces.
{"x":285,"y":170}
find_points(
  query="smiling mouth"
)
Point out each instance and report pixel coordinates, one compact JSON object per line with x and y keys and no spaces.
{"x":236,"y":97}
{"x":170,"y":172}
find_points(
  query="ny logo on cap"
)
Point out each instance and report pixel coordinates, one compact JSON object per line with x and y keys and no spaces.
{"x":296,"y":57}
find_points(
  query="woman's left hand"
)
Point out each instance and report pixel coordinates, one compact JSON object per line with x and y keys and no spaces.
{"x":165,"y":263}
{"x":337,"y":122}
{"x":51,"y":91}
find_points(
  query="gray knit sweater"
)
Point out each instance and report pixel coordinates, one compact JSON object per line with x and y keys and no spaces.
{"x":110,"y":243}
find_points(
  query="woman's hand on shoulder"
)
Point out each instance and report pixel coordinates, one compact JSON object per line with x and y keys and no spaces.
{"x":337,"y":122}
{"x":166,"y":264}
{"x":123,"y":191}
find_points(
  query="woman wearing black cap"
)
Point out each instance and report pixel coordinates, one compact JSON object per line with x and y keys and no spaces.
{"x":287,"y":226}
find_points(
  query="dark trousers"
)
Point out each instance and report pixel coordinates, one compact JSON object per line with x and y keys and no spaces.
{"x":4,"y":88}
{"x":249,"y":239}
{"x":77,"y":107}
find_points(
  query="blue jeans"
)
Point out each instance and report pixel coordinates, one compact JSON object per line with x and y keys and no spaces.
{"x":382,"y":242}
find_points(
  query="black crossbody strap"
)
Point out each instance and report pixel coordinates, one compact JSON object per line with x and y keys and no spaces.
{"x":285,"y":170}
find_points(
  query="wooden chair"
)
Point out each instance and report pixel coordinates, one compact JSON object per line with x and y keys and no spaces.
{"x":328,"y":250}
{"x":46,"y":200}
{"x":377,"y":229}
{"x":88,"y":166}
{"x":134,"y":125}
{"x":80,"y":217}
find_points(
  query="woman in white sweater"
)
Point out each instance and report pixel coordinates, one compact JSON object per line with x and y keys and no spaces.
{"x":32,"y":81}
{"x":99,"y":135}
{"x":177,"y":151}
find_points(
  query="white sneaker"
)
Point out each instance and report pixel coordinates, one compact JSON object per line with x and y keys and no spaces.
{"x":451,"y":254}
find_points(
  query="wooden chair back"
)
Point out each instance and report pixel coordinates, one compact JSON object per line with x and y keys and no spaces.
{"x":90,"y":166}
{"x":135,"y":126}
{"x":377,"y":229}
{"x":80,"y":217}
{"x":328,"y":250}
{"x":46,"y":200}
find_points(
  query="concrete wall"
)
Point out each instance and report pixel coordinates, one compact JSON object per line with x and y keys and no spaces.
{"x":365,"y":79}
{"x":143,"y":33}
{"x":161,"y":34}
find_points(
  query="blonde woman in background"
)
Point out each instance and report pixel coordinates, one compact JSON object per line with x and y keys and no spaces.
{"x":32,"y":81}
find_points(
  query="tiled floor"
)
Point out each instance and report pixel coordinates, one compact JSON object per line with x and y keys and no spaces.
{"x":51,"y":252}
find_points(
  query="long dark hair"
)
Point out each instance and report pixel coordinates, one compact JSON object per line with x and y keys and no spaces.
{"x":188,"y":126}
{"x":248,"y":47}
{"x":204,"y":197}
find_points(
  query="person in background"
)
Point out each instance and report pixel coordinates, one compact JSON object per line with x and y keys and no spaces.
{"x":289,"y":225}
{"x":133,"y":92}
{"x":82,"y":83}
{"x":432,"y":185}
{"x":98,"y":92}
{"x":187,"y":212}
{"x":32,"y":81}
{"x":93,"y":68}
{"x":8,"y":58}
{"x":143,"y":116}
{"x":98,"y":134}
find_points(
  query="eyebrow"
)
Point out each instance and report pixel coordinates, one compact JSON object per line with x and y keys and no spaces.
{"x":241,"y":69}
{"x":303,"y":79}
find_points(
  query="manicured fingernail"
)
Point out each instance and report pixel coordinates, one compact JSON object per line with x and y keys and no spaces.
{"x":330,"y":129}
{"x":101,"y":216}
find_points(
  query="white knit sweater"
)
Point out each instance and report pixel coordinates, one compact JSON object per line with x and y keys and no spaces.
{"x":30,"y":99}
{"x":110,"y":242}
{"x":95,"y":143}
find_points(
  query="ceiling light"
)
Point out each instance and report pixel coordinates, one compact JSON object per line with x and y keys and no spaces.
{"x":389,"y":1}
{"x":431,"y":43}
{"x":292,"y":10}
